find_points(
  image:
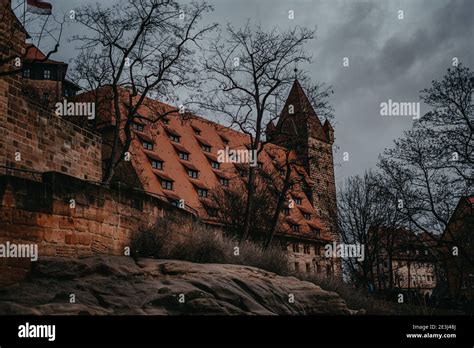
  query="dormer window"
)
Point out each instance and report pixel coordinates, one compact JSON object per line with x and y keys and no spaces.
{"x":213,"y":212}
{"x":193,"y":173}
{"x":282,"y":172}
{"x":224,"y":181}
{"x":27,"y":73}
{"x":197,"y":131}
{"x":286,"y":211}
{"x":174,"y":138}
{"x":139,"y":127}
{"x":47,"y":74}
{"x":307,"y":216}
{"x":316,"y":231}
{"x":298,"y":200}
{"x":206,"y":148}
{"x":167,"y":184}
{"x":183,"y":155}
{"x":215,"y":165}
{"x":147,"y":145}
{"x":295,"y":228}
{"x":165,"y":120}
{"x":202,"y":192}
{"x":157,"y":164}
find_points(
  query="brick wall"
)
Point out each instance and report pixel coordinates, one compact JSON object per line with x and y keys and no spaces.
{"x":32,"y":137}
{"x":103,"y":221}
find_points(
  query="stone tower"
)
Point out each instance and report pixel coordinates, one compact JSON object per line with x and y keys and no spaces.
{"x":299,"y":128}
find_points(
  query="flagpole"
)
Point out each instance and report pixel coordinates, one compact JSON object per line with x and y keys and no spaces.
{"x":24,"y":12}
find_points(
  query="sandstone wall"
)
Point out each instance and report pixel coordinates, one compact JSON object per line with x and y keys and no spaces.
{"x":103,"y":220}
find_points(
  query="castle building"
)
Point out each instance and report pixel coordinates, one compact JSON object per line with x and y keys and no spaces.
{"x":175,"y":158}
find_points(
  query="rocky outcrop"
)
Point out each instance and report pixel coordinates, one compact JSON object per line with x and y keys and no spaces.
{"x":121,"y":285}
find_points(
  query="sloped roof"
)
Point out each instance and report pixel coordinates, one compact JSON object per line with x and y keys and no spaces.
{"x":209,"y":178}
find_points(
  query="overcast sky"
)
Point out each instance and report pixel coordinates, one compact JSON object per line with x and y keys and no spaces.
{"x":389,"y":58}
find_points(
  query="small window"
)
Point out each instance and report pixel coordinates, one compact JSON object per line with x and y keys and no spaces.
{"x":202,"y":192}
{"x":174,"y":138}
{"x":147,"y":145}
{"x":260,"y":165}
{"x":295,"y":228}
{"x":224,"y":181}
{"x":139,"y":127}
{"x":167,"y":184}
{"x":165,"y":120}
{"x":307,"y":216}
{"x":226,"y":142}
{"x":316,"y":231}
{"x":215,"y":165}
{"x":197,"y":131}
{"x":213,"y":212}
{"x":297,"y":266}
{"x":175,"y":202}
{"x":296,"y":247}
{"x":286,"y":211}
{"x":47,"y":74}
{"x":157,"y":164}
{"x":317,"y":250}
{"x":183,"y":155}
{"x":298,"y":201}
{"x":206,"y":148}
{"x":282,"y":172}
{"x":27,"y":73}
{"x":306,"y":248}
{"x":193,"y":173}
{"x":45,"y":97}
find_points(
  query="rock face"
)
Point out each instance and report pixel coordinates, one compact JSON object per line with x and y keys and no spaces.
{"x":121,"y":285}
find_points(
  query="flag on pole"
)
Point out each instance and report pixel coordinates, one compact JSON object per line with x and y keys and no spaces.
{"x":40,"y":7}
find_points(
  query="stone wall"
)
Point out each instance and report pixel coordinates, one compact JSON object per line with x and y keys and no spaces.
{"x":33,"y":137}
{"x":101,"y":220}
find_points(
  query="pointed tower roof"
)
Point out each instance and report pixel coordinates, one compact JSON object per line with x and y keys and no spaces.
{"x":303,"y":113}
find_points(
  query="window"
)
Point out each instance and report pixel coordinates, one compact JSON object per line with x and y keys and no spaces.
{"x":193,"y":173}
{"x":296,"y":247}
{"x":175,"y":202}
{"x":242,"y":173}
{"x":167,"y":184}
{"x":147,"y":145}
{"x":282,"y":172}
{"x":295,"y":228}
{"x":215,"y":165}
{"x":183,"y":155}
{"x":47,"y":74}
{"x":224,"y":181}
{"x":139,"y":127}
{"x":226,"y":142}
{"x":316,"y":231}
{"x":306,"y":248}
{"x":157,"y":164}
{"x":197,"y":131}
{"x":260,"y":165}
{"x":307,"y":216}
{"x":317,"y":250}
{"x":174,"y":138}
{"x":298,"y":201}
{"x":166,"y":120}
{"x":27,"y":73}
{"x":45,"y":97}
{"x":202,"y":192}
{"x":206,"y":148}
{"x":286,"y":211}
{"x":213,"y":212}
{"x":308,"y":267}
{"x":297,"y":266}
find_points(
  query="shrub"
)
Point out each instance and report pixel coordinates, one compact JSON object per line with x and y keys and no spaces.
{"x":153,"y":243}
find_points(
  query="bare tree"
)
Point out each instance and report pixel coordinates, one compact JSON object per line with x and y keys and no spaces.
{"x":431,"y":167}
{"x":146,"y":51}
{"x":249,"y":68}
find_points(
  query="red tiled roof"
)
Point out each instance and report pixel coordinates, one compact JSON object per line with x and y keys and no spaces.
{"x":152,"y":155}
{"x":213,"y":134}
{"x":33,"y":53}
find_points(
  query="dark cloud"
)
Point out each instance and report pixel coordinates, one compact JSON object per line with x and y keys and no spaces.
{"x":389,"y":58}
